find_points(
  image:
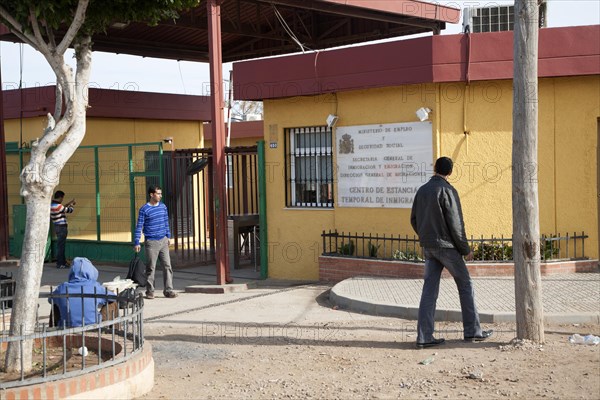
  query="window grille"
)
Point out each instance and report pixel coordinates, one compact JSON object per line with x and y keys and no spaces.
{"x":496,"y":18}
{"x":309,"y":167}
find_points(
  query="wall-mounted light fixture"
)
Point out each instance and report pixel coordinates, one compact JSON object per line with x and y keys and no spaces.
{"x":423,"y":113}
{"x":332,"y":120}
{"x":169,"y":140}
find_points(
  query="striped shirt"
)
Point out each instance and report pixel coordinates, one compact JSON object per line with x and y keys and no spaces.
{"x":58,"y":213}
{"x":153,"y":221}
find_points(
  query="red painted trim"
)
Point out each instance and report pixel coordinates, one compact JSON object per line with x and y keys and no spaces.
{"x":570,"y":51}
{"x":421,"y":9}
{"x":107,"y":103}
{"x":239,"y":130}
{"x":145,"y":105}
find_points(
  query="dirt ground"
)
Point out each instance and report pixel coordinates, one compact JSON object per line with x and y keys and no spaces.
{"x":324,"y":353}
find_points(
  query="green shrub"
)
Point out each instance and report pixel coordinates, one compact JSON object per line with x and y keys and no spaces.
{"x":347,"y":249}
{"x":492,"y":251}
{"x":548,"y":251}
{"x":373,"y":249}
{"x":406,"y":255}
{"x":495,"y":251}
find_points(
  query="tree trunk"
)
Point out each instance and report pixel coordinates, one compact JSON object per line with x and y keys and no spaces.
{"x":526,"y":230}
{"x":39,"y":179}
{"x":29,"y":276}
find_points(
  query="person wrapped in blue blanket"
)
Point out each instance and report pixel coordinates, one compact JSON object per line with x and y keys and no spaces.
{"x":73,"y":310}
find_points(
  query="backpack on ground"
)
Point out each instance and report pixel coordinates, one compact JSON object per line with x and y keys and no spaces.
{"x":137,"y":271}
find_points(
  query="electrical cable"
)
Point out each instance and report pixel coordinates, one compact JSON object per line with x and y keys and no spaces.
{"x":21,"y":52}
{"x":181,"y":77}
{"x":288,"y":30}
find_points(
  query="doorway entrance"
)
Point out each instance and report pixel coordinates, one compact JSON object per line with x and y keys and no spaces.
{"x":189,"y":179}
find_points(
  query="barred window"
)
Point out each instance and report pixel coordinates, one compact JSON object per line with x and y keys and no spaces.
{"x":309,"y":167}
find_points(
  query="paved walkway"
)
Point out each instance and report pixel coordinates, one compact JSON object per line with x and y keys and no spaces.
{"x":573,"y":298}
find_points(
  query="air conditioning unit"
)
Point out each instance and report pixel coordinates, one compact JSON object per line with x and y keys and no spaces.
{"x":495,"y":18}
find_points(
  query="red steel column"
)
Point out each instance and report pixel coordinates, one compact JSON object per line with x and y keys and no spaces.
{"x":3,"y":184}
{"x":218,"y":122}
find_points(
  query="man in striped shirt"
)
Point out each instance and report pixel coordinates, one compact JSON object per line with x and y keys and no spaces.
{"x":58,"y":216}
{"x":153,"y":220}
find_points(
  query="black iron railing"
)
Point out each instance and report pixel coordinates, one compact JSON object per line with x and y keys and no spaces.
{"x":112,"y":340}
{"x":407,"y":248}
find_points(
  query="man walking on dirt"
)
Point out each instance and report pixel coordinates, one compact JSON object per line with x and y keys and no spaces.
{"x":437,"y":218}
{"x":153,"y":220}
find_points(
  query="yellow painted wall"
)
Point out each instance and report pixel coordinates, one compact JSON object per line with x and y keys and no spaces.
{"x":78,"y":177}
{"x":236,"y":142}
{"x":186,"y":134}
{"x":568,"y":112}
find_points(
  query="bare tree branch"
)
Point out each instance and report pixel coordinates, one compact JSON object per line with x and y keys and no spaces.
{"x":78,"y":21}
{"x":51,"y":39}
{"x":58,"y":104}
{"x":41,"y":44}
{"x":35,"y":26}
{"x":77,"y":109}
{"x":53,"y":133}
{"x":64,"y":76}
{"x":17,"y":28}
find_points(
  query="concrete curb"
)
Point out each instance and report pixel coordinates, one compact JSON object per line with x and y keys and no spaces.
{"x":220,"y":289}
{"x":354,"y":303}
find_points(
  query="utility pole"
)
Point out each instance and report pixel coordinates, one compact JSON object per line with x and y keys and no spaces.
{"x":217,"y":105}
{"x":3,"y":182}
{"x":526,"y":222}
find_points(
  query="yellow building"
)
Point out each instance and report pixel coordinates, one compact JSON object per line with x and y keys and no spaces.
{"x":128,"y":135}
{"x":465,"y":83}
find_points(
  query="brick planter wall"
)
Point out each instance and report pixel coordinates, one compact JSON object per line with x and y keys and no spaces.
{"x":336,"y":269}
{"x":128,"y":380}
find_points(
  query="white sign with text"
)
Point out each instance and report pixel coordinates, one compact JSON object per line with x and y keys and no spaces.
{"x":382,"y":166}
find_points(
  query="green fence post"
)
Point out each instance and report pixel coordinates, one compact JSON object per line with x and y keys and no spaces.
{"x":262,"y":210}
{"x":161,"y":166}
{"x":131,"y":191}
{"x":97,"y":176}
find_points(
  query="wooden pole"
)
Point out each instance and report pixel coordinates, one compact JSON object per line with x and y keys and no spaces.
{"x":218,"y":123}
{"x":3,"y":182}
{"x":526,"y":224}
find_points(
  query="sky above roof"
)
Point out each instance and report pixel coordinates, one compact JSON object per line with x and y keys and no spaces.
{"x":20,"y":63}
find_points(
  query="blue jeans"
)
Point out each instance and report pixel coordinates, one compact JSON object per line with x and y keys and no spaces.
{"x":61,"y":241}
{"x":435,"y":261}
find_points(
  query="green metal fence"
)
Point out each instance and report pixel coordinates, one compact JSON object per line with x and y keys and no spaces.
{"x":109,"y":183}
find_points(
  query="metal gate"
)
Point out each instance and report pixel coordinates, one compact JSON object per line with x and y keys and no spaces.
{"x":189,"y":178}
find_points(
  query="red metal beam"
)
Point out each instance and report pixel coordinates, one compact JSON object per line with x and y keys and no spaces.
{"x":213,"y":8}
{"x":3,"y":184}
{"x":108,"y":103}
{"x":239,"y":130}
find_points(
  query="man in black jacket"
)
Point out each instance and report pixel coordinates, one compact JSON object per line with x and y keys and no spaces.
{"x":437,"y":218}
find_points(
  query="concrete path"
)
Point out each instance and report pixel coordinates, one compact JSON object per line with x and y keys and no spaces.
{"x":573,"y":298}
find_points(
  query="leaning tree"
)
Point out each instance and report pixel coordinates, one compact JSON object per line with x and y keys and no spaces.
{"x":52,"y":27}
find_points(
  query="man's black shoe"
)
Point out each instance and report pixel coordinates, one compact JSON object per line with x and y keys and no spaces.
{"x":480,"y":338}
{"x":434,"y":342}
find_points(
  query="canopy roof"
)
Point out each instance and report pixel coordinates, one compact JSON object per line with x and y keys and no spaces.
{"x":260,"y":28}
